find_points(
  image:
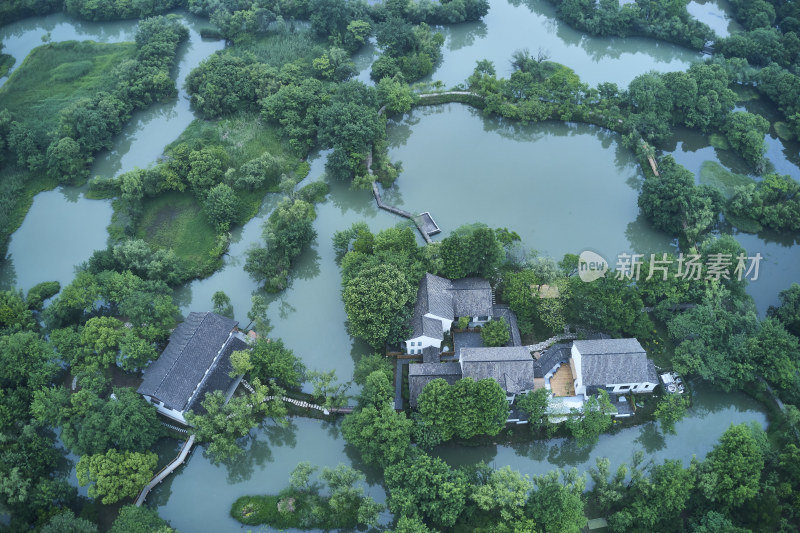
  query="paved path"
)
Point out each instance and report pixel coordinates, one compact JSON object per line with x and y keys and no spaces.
{"x":167,"y":470}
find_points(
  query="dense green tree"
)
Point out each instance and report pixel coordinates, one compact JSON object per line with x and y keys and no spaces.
{"x":496,"y":333}
{"x":557,"y":505}
{"x":207,"y":167}
{"x":712,"y":339}
{"x":133,"y":519}
{"x":503,"y":496}
{"x":372,"y":363}
{"x":221,"y":206}
{"x":608,"y":304}
{"x":39,"y":293}
{"x":101,"y":337}
{"x":395,"y":95}
{"x":378,"y":303}
{"x":272,"y":360}
{"x":380,"y":434}
{"x":377,"y":390}
{"x":223,"y":423}
{"x":15,"y":313}
{"x":774,"y":351}
{"x":535,"y":404}
{"x":731,"y":472}
{"x":745,"y":132}
{"x":671,"y":409}
{"x":675,"y":205}
{"x":593,"y":419}
{"x":788,"y":313}
{"x":411,"y":525}
{"x":287,"y":231}
{"x":472,"y":250}
{"x":425,"y":486}
{"x":222,"y":304}
{"x":65,"y":162}
{"x":67,"y":522}
{"x":116,"y":476}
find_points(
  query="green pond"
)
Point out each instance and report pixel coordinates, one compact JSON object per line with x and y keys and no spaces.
{"x":563,"y":187}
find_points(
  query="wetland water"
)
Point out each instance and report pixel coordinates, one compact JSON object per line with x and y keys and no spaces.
{"x":578,"y":187}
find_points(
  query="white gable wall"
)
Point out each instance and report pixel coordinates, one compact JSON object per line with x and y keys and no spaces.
{"x":166,"y":411}
{"x":417,"y":344}
{"x":580,"y":388}
{"x":446,"y":322}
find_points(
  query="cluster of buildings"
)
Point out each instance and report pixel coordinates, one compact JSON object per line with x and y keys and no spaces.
{"x":571,"y":372}
{"x":197,"y":358}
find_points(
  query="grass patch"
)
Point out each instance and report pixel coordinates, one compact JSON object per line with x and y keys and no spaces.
{"x":280,"y":48}
{"x":745,"y":224}
{"x":783,"y":131}
{"x":55,"y":75}
{"x":176,"y":221}
{"x":722,"y":179}
{"x":746,"y":94}
{"x":293,"y":509}
{"x":244,"y":137}
{"x":718,"y":141}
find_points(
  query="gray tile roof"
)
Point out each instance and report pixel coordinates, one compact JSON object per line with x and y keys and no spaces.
{"x":501,"y":353}
{"x":420,"y":375}
{"x":550,"y":358}
{"x":472,"y":297}
{"x":181,"y":368}
{"x":438,"y":298}
{"x":510,"y":366}
{"x":449,"y":299}
{"x":608,"y":346}
{"x":218,"y":378}
{"x":612,"y":361}
{"x":430,"y":354}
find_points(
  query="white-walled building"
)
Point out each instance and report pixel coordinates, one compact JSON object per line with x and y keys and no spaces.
{"x":440,"y":301}
{"x":618,"y":366}
{"x":196,"y":361}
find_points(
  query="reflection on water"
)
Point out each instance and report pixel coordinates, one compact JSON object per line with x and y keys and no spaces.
{"x":201,"y":495}
{"x":711,"y":414}
{"x":62,"y":229}
{"x":514,"y":24}
{"x":715,"y":13}
{"x":56,"y":235}
{"x":562,"y":187}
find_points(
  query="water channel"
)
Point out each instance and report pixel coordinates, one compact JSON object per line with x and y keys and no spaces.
{"x":573,"y":187}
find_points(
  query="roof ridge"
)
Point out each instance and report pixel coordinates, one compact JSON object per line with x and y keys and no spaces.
{"x":183,"y":345}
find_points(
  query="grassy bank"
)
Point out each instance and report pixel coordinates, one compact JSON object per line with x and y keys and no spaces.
{"x":292,"y":509}
{"x":176,"y":221}
{"x":55,"y":75}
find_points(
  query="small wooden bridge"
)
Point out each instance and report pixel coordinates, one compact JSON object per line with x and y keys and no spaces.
{"x":167,"y":470}
{"x":424,"y":222}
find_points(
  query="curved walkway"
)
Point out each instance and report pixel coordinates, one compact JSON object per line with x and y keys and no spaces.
{"x":167,"y":470}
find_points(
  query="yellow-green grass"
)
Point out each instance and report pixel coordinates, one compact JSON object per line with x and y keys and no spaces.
{"x":51,"y":78}
{"x":717,"y":140}
{"x":176,"y":221}
{"x":722,"y":179}
{"x":278,"y":49}
{"x":57,"y":74}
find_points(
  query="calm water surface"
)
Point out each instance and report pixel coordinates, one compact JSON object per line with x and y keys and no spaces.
{"x":563,"y":187}
{"x":63,"y":228}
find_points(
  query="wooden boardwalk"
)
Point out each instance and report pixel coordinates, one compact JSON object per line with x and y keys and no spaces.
{"x":424,"y":222}
{"x":167,"y":470}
